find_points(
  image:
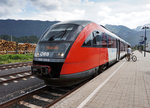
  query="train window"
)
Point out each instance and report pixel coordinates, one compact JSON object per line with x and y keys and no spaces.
{"x":89,"y":40}
{"x":109,"y":41}
{"x":113,"y":43}
{"x":122,"y":47}
{"x":94,"y":38}
{"x":126,"y":47}
{"x":104,"y":41}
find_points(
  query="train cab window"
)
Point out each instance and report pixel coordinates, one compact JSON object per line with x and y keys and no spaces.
{"x":97,"y":39}
{"x":89,"y":40}
{"x":94,"y":39}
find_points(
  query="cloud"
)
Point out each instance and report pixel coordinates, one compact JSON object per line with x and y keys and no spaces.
{"x":59,"y":9}
{"x":147,"y":6}
{"x":9,"y":7}
{"x":120,"y":12}
{"x":46,"y":5}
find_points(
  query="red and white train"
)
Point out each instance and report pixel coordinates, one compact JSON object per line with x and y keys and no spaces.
{"x":70,"y":52}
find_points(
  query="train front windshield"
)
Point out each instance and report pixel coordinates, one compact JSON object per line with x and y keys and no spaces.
{"x":56,"y":41}
{"x":62,"y":32}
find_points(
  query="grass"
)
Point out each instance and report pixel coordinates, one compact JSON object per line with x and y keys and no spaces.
{"x":13,"y":58}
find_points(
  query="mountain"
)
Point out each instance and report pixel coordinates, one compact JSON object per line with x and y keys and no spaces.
{"x":24,"y":27}
{"x":139,"y":28}
{"x":130,"y":35}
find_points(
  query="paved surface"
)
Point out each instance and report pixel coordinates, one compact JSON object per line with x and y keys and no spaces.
{"x":124,"y":85}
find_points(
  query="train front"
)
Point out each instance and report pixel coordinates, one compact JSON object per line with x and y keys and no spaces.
{"x":51,"y":52}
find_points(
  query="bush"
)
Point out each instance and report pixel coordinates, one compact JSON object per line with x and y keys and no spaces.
{"x":12,"y":58}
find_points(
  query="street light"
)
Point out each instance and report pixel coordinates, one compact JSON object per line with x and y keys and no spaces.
{"x":145,"y":38}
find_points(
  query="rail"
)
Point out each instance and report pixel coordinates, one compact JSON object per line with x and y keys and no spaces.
{"x":45,"y":94}
{"x":14,"y":76}
{"x":14,"y":65}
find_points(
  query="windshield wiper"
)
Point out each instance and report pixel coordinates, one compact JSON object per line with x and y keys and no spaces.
{"x":63,"y":33}
{"x":53,"y":37}
{"x":59,"y":35}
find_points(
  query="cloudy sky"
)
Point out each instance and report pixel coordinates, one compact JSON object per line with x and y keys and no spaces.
{"x":131,"y":13}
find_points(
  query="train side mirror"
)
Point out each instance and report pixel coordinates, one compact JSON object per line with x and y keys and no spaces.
{"x":97,"y":32}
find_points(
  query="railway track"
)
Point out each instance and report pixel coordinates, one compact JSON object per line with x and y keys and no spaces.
{"x":15,"y":65}
{"x":41,"y":97}
{"x":4,"y":79}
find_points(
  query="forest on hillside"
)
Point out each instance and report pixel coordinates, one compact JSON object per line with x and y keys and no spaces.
{"x":22,"y":39}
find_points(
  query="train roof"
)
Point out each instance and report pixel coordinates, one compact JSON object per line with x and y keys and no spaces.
{"x":86,"y":22}
{"x":78,"y":22}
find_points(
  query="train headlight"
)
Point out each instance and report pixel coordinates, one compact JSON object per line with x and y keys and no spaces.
{"x":61,"y":54}
{"x":58,"y":55}
{"x":36,"y":54}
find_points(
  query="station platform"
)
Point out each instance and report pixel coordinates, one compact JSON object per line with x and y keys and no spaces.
{"x":124,"y":85}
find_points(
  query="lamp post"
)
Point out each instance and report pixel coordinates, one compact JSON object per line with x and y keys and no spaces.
{"x":145,"y":38}
{"x":141,"y":42}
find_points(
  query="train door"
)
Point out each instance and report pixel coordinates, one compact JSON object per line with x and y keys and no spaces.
{"x":118,"y":50}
